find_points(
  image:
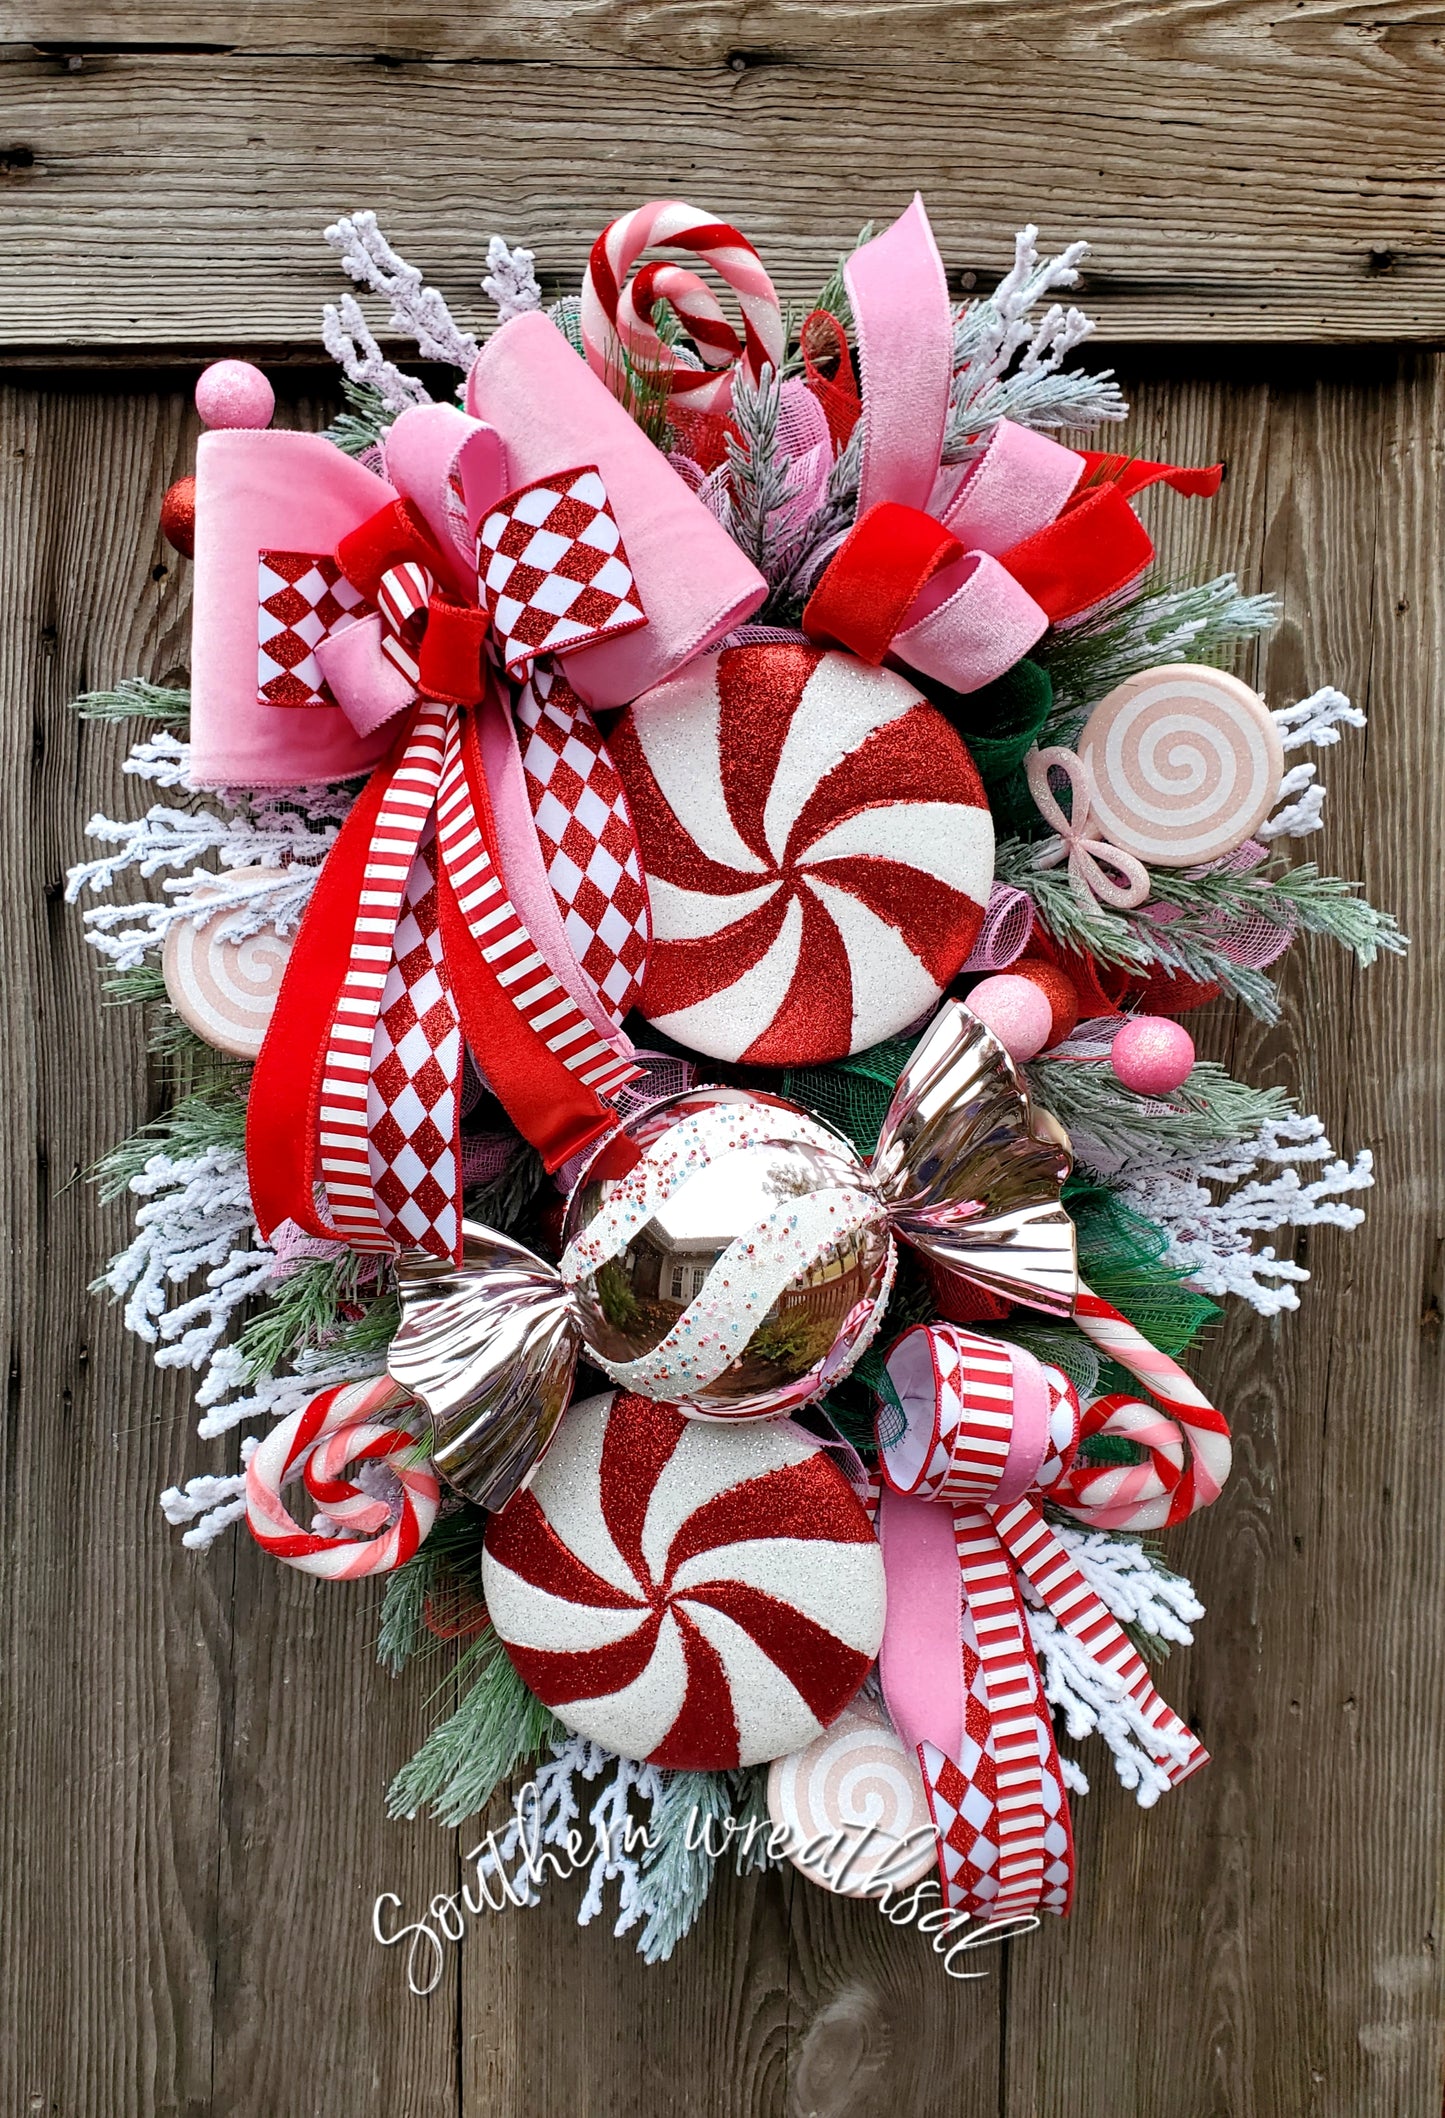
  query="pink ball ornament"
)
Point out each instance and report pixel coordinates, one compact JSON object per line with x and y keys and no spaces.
{"x":1016,"y":1010}
{"x":1153,"y":1055}
{"x":231,"y":393}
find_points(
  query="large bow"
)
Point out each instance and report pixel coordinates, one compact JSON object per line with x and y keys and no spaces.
{"x":418,"y":938}
{"x":958,"y":573}
{"x":980,"y":1436}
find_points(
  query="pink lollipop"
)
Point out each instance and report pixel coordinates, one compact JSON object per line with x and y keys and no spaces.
{"x":336,"y":1430}
{"x":618,"y":315}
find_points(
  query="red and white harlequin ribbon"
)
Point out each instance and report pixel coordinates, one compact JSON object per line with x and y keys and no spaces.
{"x":617,"y":314}
{"x":553,"y":569}
{"x":320,"y":1444}
{"x":986,"y":1433}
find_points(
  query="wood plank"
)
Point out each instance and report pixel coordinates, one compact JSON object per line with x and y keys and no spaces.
{"x":1283,"y":1901}
{"x":1250,"y":171}
{"x":191,"y":1810}
{"x":116,"y":1646}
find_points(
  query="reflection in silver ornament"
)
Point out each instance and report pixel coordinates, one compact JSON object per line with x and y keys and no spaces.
{"x":726,"y":1253}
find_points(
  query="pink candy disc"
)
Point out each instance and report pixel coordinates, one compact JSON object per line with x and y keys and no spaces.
{"x":1185,"y":761}
{"x":1153,"y":1055}
{"x":1016,"y":1010}
{"x":232,"y":393}
{"x":221,"y":984}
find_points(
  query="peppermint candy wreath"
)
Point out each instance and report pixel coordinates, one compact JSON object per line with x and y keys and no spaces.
{"x":687,"y":863}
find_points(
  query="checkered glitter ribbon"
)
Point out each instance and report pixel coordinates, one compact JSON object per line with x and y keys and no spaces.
{"x":984,"y":1434}
{"x":553,"y":570}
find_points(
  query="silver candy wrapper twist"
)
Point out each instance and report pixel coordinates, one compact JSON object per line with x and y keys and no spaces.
{"x":730,"y":1255}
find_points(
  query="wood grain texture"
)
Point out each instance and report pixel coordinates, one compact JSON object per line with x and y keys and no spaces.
{"x":1247,"y":170}
{"x":196,"y":1748}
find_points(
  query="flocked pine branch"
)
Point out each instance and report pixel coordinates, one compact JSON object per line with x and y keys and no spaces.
{"x":417,"y":310}
{"x":1009,"y":364}
{"x":135,"y":699}
{"x":348,"y":338}
{"x":497,"y":1726}
{"x":1191,"y":623}
{"x":510,"y":280}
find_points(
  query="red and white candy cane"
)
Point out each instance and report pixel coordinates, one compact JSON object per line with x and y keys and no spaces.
{"x":615,"y":309}
{"x":1187,"y":1441}
{"x":320,"y":1444}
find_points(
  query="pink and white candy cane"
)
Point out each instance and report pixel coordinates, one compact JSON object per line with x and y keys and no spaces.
{"x":1187,"y":1442}
{"x":615,"y":309}
{"x":320,"y":1443}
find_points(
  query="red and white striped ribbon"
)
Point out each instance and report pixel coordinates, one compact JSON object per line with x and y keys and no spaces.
{"x":521,"y":969}
{"x":987,"y":1437}
{"x":338,"y":1430}
{"x":407,"y":808}
{"x":403,"y":597}
{"x":1040,"y":1557}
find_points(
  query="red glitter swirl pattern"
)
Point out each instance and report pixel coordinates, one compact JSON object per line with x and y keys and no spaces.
{"x":817,"y":847}
{"x":699,"y":1596}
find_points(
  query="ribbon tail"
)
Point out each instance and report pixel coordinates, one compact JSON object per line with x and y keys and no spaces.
{"x":283,"y":1107}
{"x":1043,"y":1561}
{"x":543,"y":1060}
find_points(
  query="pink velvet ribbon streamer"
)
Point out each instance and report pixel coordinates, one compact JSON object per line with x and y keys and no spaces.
{"x":973,"y":621}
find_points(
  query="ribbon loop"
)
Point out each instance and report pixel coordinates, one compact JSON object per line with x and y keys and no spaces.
{"x":1099,"y":872}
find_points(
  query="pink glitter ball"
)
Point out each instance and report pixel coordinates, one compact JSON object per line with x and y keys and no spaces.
{"x":1016,"y":1010}
{"x":231,"y":393}
{"x":1153,"y":1055}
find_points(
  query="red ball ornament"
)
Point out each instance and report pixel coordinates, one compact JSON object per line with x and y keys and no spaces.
{"x":1153,"y":1055}
{"x":178,"y":517}
{"x":1057,"y":988}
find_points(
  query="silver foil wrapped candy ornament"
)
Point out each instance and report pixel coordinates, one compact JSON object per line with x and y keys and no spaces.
{"x":730,"y":1255}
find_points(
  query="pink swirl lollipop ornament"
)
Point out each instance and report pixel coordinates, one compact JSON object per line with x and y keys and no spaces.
{"x":618,"y":313}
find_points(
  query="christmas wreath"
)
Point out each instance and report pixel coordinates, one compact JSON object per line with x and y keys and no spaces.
{"x":688,"y":851}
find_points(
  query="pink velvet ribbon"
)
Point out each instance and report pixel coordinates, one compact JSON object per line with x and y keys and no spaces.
{"x":973,"y":620}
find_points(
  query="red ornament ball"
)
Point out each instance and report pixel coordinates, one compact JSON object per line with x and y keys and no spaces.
{"x":178,"y":517}
{"x":1016,"y":1010}
{"x":1153,"y":1055}
{"x":1057,"y":988}
{"x":233,"y":393}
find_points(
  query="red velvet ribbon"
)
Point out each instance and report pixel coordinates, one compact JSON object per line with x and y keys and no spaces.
{"x":889,"y":556}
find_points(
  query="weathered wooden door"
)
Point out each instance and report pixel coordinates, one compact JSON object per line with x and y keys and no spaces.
{"x":195,"y":1748}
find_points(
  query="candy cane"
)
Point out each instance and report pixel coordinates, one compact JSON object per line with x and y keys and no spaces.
{"x":616,"y":313}
{"x":336,"y":1430}
{"x":1173,"y":1482}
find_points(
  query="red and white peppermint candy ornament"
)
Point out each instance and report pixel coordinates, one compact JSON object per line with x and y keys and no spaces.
{"x":221,"y":984}
{"x":617,"y":314}
{"x":324,"y":1441}
{"x":699,"y":1596}
{"x":818,"y":852}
